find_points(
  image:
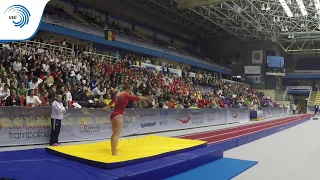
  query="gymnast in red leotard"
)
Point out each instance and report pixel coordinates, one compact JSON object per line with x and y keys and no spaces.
{"x":116,"y":117}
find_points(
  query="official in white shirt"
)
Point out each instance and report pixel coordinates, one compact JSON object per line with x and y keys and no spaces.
{"x":57,"y":112}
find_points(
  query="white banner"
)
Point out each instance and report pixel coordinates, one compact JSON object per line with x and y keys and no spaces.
{"x":257,"y":57}
{"x":252,"y":69}
{"x":159,"y":68}
{"x":192,"y":74}
{"x":300,"y":88}
{"x":238,"y":115}
{"x":23,"y":126}
{"x":272,"y":112}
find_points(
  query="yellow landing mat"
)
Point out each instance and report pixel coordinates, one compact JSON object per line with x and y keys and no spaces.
{"x":132,"y":150}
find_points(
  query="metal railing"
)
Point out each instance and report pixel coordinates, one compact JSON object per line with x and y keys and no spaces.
{"x":61,"y":49}
{"x":44,"y":46}
{"x":103,"y":56}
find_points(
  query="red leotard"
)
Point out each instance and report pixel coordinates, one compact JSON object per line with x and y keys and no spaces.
{"x":120,"y":104}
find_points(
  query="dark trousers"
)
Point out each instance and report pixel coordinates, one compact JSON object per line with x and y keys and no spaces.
{"x":55,"y":131}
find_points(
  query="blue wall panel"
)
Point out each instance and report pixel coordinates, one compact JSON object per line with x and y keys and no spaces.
{"x":302,"y":76}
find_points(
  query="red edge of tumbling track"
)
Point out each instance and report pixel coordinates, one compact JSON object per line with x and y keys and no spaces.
{"x":230,"y":133}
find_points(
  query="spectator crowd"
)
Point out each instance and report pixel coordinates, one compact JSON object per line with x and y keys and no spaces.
{"x":31,"y":74}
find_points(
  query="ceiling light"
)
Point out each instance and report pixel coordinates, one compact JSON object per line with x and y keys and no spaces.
{"x":263,"y":8}
{"x":317,"y":5}
{"x":310,"y":3}
{"x":302,"y":8}
{"x":286,"y":7}
{"x":268,"y":7}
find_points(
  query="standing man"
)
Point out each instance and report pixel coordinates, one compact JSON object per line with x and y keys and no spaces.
{"x":57,"y":113}
{"x":294,"y":107}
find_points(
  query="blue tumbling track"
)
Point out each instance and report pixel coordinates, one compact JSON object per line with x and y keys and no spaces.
{"x":37,"y":164}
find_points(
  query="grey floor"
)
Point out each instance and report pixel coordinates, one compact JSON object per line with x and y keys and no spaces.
{"x":293,"y":154}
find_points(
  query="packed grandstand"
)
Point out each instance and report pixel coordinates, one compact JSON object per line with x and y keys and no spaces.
{"x":32,"y":72}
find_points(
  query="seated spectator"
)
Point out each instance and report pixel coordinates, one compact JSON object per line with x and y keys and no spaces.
{"x":13,"y":99}
{"x":22,"y":90}
{"x":4,"y":92}
{"x":34,"y":84}
{"x":96,"y":92}
{"x":25,"y":82}
{"x":45,"y":99}
{"x":12,"y":86}
{"x":4,"y":79}
{"x":33,"y":100}
{"x":49,"y":79}
{"x":17,"y":66}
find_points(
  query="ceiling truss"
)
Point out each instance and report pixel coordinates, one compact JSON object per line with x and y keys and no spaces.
{"x":249,"y":20}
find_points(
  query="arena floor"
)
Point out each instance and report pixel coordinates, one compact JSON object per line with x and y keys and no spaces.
{"x":290,"y":154}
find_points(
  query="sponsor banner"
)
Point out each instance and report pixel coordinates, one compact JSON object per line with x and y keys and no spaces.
{"x":150,"y":66}
{"x":216,"y":116}
{"x":19,"y":126}
{"x":238,"y":115}
{"x":23,"y":126}
{"x":188,"y":118}
{"x":252,"y":70}
{"x":147,"y":121}
{"x":272,"y":112}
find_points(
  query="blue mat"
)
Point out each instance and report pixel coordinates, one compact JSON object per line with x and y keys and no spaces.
{"x":31,"y":165}
{"x":222,"y":169}
{"x":37,"y":164}
{"x":156,"y":169}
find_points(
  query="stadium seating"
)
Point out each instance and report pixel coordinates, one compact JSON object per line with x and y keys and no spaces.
{"x":90,"y":79}
{"x":92,"y":18}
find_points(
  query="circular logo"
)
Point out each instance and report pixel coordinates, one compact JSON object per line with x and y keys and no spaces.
{"x":257,"y":56}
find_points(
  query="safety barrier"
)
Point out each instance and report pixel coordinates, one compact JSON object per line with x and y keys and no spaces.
{"x":22,"y":126}
{"x":269,"y":112}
